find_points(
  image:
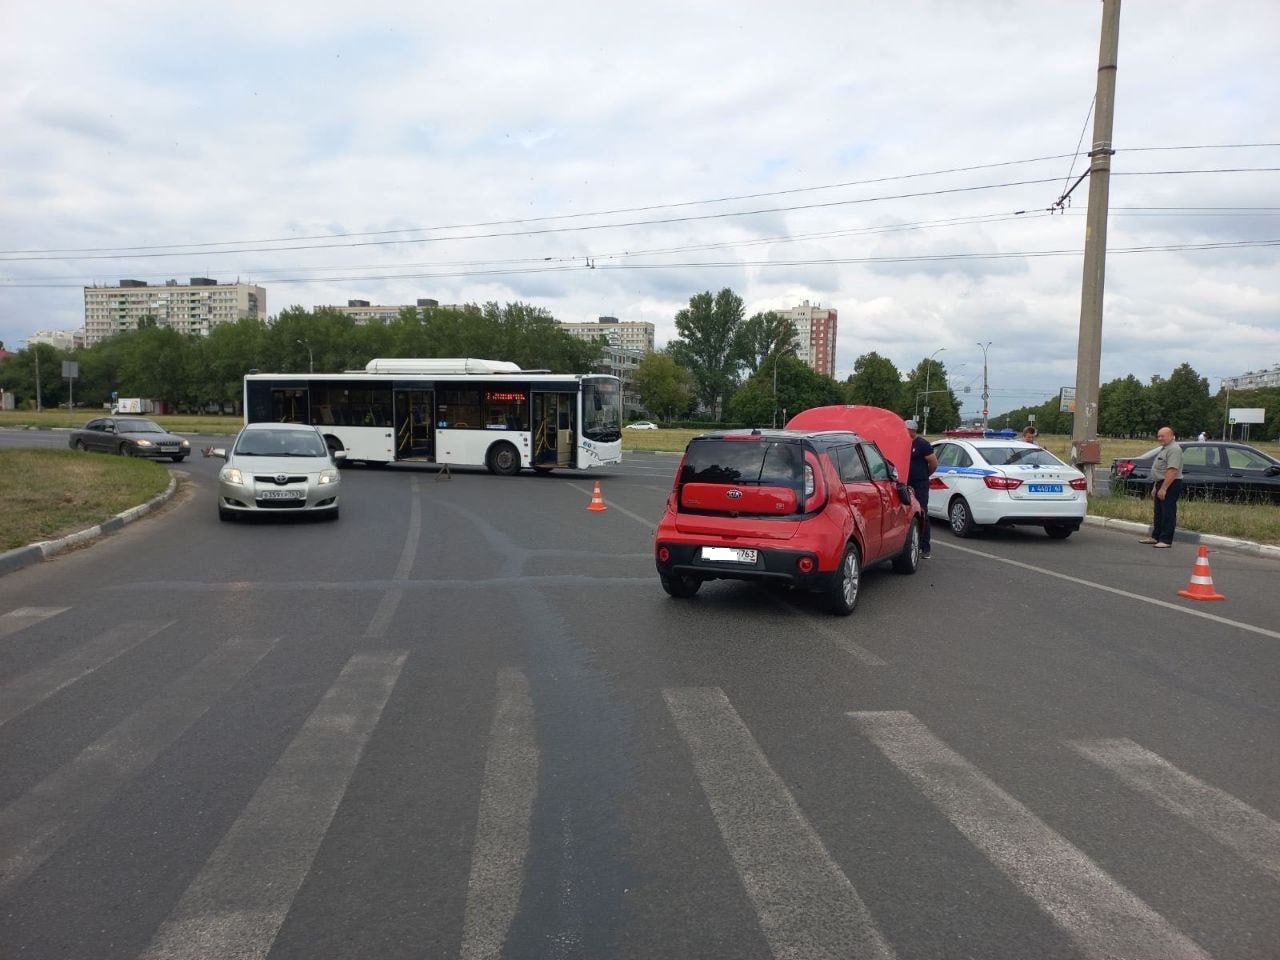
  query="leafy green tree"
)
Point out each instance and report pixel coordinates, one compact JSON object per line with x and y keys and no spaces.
{"x":709,"y":345}
{"x":1183,"y":402}
{"x":799,"y":388}
{"x":665,"y":387}
{"x":765,"y":337}
{"x":875,"y":382}
{"x":926,"y":386}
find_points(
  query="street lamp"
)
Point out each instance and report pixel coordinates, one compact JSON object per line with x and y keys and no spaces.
{"x":35,"y":350}
{"x":775,"y":391}
{"x":311,"y":359}
{"x":984,"y":383}
{"x":927,"y":371}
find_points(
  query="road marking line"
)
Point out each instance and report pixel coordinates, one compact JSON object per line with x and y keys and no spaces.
{"x":806,"y":905}
{"x":1104,"y":918}
{"x":36,"y":824}
{"x":847,"y":644}
{"x":1122,"y":593}
{"x":235,"y":906}
{"x":622,"y":510}
{"x":390,"y":601}
{"x":22,"y":693}
{"x":1251,"y":834}
{"x":23,"y":617}
{"x":503,"y":827}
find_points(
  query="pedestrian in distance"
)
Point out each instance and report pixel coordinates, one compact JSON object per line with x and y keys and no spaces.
{"x":923,"y":462}
{"x":1202,"y":437}
{"x":1166,"y":476}
{"x":1030,"y":433}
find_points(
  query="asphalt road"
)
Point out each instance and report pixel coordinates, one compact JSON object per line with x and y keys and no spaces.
{"x":464,"y":721}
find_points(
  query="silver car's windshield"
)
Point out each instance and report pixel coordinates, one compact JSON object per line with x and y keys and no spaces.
{"x":138,"y":426}
{"x":280,"y":443}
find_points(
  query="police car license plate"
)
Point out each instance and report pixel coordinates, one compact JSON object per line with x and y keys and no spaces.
{"x":729,"y":554}
{"x":1045,"y":487}
{"x":279,"y":494}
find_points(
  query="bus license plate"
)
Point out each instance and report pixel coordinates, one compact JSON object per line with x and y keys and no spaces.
{"x":729,"y":554}
{"x":279,"y":494}
{"x":1045,"y":487}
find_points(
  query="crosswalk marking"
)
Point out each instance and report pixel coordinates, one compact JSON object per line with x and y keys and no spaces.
{"x":1253,"y":835}
{"x":1103,"y":918}
{"x":806,"y":905}
{"x":23,"y":617}
{"x":502,"y":829}
{"x":234,"y":908}
{"x":36,"y":824}
{"x":22,"y":693}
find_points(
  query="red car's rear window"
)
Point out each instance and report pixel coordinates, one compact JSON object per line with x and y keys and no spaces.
{"x":771,"y":463}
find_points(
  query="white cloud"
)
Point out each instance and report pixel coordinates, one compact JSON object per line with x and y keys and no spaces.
{"x":155,"y":124}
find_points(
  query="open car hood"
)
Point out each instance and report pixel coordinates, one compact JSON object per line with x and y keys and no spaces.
{"x":882,"y":427}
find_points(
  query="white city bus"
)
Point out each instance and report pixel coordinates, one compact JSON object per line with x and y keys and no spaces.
{"x":461,"y":412}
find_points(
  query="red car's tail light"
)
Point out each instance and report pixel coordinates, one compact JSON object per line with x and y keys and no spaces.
{"x":1080,"y":483}
{"x":805,"y":565}
{"x":1002,"y":483}
{"x":664,"y":554}
{"x":815,"y":484}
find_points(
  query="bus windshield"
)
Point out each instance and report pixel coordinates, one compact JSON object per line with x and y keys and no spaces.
{"x":601,"y":410}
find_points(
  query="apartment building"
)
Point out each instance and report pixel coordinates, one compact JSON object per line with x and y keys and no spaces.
{"x":58,"y":339}
{"x":190,"y":308}
{"x":1254,"y":379}
{"x":626,"y":335}
{"x":362,"y":311}
{"x":816,"y":343}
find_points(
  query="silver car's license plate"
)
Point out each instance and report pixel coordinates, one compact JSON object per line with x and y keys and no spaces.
{"x":280,"y":494}
{"x":729,"y":554}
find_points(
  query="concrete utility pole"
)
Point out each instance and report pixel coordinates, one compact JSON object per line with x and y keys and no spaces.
{"x":1089,"y":351}
{"x":927,"y":371}
{"x":985,"y":408}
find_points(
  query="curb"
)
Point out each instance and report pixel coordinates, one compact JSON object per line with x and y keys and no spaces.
{"x":1189,"y":536}
{"x":20,"y":557}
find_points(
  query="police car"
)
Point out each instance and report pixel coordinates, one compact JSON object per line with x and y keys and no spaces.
{"x":980,"y":482}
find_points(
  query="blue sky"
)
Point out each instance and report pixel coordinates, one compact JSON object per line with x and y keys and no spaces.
{"x":151,"y":124}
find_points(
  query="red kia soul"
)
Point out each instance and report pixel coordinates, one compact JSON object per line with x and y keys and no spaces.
{"x":805,"y":508}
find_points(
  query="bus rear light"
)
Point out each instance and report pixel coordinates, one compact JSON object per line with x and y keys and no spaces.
{"x":663,"y":554}
{"x":1002,"y":483}
{"x":805,"y":564}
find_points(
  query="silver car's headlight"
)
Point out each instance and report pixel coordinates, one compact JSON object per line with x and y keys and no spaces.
{"x":231,"y":475}
{"x":144,"y":443}
{"x":329,"y":476}
{"x":186,"y":443}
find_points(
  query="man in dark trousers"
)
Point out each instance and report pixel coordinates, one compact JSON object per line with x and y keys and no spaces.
{"x":923,"y":462}
{"x":1166,"y":474}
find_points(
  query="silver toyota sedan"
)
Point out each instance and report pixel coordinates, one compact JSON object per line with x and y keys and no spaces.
{"x":278,"y":467}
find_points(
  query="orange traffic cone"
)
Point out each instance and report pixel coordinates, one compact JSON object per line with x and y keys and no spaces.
{"x":1201,"y":585}
{"x":597,"y":500}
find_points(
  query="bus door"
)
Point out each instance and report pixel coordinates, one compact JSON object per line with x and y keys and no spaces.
{"x":289,"y":405}
{"x":555,"y":429}
{"x":415,"y":424}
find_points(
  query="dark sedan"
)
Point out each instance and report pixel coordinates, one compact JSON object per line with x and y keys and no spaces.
{"x":1214,"y":471}
{"x":130,"y":437}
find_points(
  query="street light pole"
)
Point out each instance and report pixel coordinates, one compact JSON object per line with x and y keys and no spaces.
{"x":35,"y":352}
{"x":984,"y":384}
{"x":928,"y":369}
{"x":775,"y":391}
{"x":311,"y":359}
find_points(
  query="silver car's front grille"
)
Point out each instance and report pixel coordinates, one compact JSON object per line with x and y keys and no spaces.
{"x":279,"y":479}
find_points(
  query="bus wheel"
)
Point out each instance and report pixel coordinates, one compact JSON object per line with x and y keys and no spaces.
{"x":334,"y":445}
{"x":504,"y":459}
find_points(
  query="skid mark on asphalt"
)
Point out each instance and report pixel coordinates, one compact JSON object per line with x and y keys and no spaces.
{"x":22,"y":693}
{"x":806,"y":905}
{"x":390,"y":601}
{"x":36,"y":824}
{"x":1253,"y":835}
{"x":23,"y":617}
{"x":1115,"y":590}
{"x":503,"y":827}
{"x":236,"y":905}
{"x":841,"y":640}
{"x":1103,"y":918}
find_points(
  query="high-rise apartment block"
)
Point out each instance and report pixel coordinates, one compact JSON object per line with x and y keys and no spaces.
{"x":1254,"y":379}
{"x":626,"y":334}
{"x":362,"y":311}
{"x":190,"y":308}
{"x":816,"y":343}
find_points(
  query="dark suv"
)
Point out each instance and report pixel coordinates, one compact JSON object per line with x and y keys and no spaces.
{"x":809,"y":509}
